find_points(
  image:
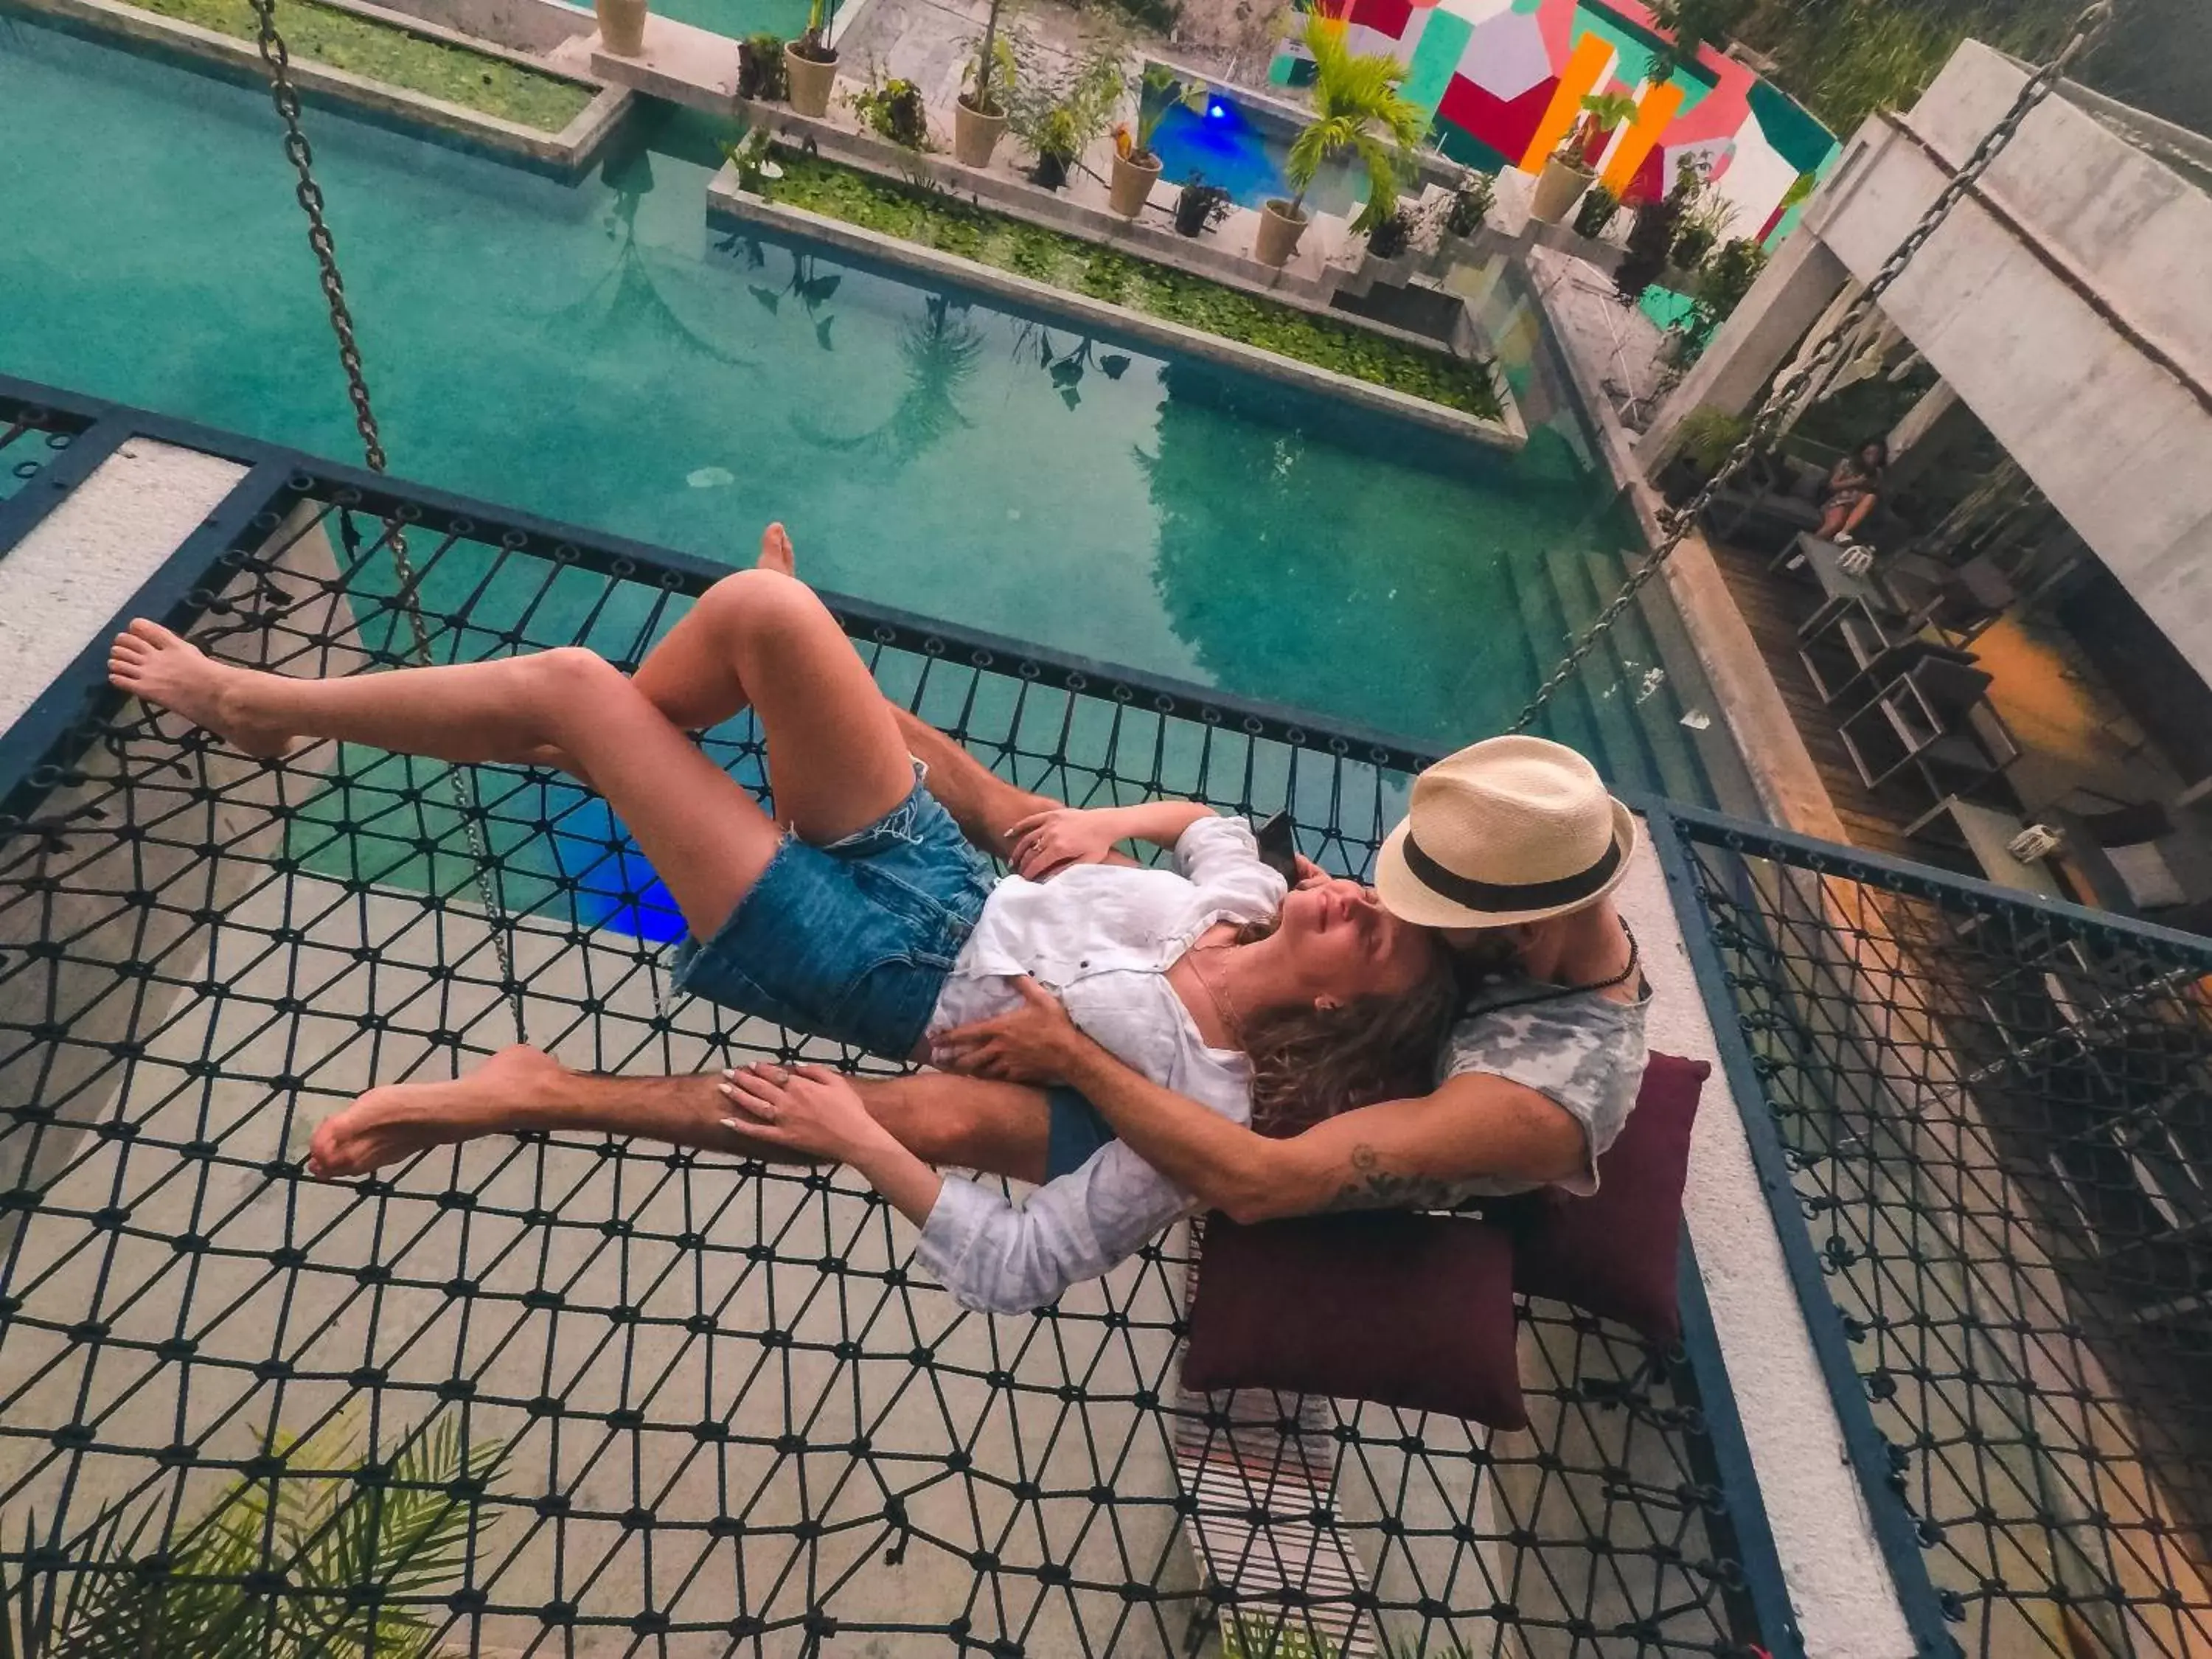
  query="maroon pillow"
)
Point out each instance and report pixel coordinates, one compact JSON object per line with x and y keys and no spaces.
{"x":1404,"y":1309}
{"x":1614,"y":1254}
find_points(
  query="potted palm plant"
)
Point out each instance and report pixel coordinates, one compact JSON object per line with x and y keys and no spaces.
{"x":1136,"y":169}
{"x":811,"y":62}
{"x":979,"y":115}
{"x":1570,"y":169}
{"x":1357,"y":108}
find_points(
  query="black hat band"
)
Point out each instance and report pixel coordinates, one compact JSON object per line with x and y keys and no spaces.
{"x":1509,"y":896}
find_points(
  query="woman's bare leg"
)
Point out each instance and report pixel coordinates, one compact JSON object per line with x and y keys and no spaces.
{"x":835,"y":761}
{"x":999,"y":1127}
{"x":692,"y":682}
{"x":835,"y":752}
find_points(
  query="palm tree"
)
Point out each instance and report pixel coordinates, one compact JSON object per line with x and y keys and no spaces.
{"x":363,"y":1567}
{"x":1357,"y":108}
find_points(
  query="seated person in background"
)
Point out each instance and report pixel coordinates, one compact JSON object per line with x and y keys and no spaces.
{"x":1854,"y":488}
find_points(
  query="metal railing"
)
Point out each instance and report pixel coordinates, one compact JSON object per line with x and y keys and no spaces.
{"x":1985,"y":1125}
{"x":1984,"y":1122}
{"x":33,"y":439}
{"x":681,"y":1401}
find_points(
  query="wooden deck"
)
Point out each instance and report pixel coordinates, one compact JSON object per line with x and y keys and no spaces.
{"x":1773,"y":604}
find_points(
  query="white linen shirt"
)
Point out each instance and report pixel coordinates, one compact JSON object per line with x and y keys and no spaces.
{"x":1101,"y":937}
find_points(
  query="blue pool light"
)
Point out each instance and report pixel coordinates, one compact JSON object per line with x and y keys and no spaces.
{"x":1217,"y":109}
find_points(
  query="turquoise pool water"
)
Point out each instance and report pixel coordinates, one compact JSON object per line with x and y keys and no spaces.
{"x":595,"y":352}
{"x":739,"y":18}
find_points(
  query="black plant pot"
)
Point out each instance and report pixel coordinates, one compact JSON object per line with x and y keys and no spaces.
{"x":1050,"y":171}
{"x":1199,"y":207}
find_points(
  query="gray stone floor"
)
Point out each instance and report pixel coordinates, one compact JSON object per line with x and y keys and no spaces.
{"x":1624,"y":344}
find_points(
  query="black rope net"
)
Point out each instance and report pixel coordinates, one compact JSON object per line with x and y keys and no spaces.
{"x":584,"y":1396}
{"x":1998,"y":1124}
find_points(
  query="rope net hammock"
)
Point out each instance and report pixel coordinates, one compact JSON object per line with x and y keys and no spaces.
{"x":644,"y":1400}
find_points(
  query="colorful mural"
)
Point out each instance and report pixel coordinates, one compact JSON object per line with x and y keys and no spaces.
{"x":1505,"y":81}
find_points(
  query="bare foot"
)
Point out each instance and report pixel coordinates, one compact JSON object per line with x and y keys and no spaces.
{"x":148,"y":662}
{"x":776,"y":552}
{"x":397,"y":1122}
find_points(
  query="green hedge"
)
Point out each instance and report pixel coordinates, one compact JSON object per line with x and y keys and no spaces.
{"x":380,"y":52}
{"x":934,"y":220}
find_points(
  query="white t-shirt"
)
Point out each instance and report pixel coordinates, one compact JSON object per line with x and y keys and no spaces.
{"x":1101,"y":937}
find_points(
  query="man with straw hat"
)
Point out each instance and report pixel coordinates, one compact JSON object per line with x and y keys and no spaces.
{"x":1511,"y":849}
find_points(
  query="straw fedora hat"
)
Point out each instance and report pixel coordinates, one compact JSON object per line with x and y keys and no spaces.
{"x":1509,"y":830}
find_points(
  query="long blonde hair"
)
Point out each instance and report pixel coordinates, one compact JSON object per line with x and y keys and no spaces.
{"x":1310,"y":1063}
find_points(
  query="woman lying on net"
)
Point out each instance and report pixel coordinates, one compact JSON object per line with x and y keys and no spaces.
{"x":860,"y":914}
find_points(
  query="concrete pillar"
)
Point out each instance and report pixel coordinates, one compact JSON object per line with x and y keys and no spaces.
{"x":1788,"y":298}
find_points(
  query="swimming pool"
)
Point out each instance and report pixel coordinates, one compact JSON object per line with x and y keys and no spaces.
{"x":1222,"y":144}
{"x":596,"y":352}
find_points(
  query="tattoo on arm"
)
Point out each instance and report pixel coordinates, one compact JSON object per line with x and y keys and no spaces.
{"x":1375,"y":1186}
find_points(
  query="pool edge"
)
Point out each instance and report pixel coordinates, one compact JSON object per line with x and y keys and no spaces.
{"x":567,"y":154}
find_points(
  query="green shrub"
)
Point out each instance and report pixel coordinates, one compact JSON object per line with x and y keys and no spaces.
{"x":933,"y":219}
{"x":384,"y":51}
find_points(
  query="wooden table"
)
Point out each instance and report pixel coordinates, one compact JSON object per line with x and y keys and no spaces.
{"x":1986,"y":831}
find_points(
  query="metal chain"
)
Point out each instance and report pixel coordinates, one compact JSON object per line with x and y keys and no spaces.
{"x":2086,"y":29}
{"x":286,"y":97}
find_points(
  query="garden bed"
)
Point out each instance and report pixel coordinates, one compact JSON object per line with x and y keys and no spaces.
{"x":934,"y":219}
{"x":362,"y":46}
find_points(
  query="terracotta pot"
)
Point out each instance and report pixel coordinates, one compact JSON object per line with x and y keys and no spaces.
{"x":974,"y":135}
{"x":1279,"y":233}
{"x":1133,"y":184}
{"x":811,"y":81}
{"x":1559,"y":188}
{"x":621,"y":26}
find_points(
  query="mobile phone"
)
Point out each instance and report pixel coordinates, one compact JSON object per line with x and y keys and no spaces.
{"x":1279,"y":847}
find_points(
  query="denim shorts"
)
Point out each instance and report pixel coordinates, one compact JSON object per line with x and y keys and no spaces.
{"x":1076,"y":1132}
{"x":852,"y":941}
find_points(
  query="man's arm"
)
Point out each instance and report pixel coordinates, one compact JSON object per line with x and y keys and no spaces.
{"x":1398,"y":1154}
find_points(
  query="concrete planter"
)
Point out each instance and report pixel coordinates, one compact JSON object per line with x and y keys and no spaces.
{"x":1451,"y":252}
{"x":1559,"y":188}
{"x":1395,"y":271}
{"x":812,"y":79}
{"x":974,"y":135}
{"x":1133,"y":184}
{"x":1280,"y":227}
{"x":621,"y":26}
